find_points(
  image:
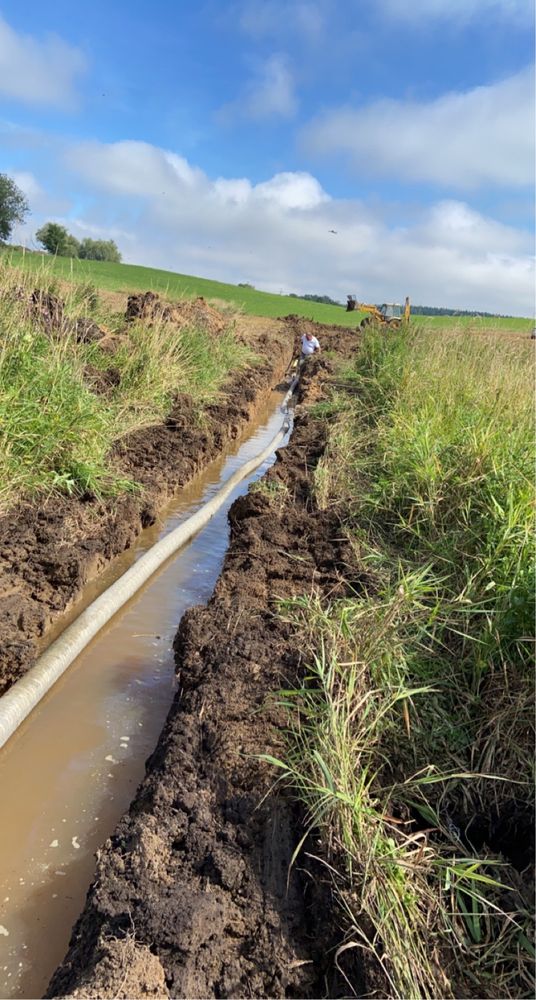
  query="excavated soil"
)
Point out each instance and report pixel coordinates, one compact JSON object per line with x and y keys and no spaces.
{"x":49,"y":551}
{"x":194,"y":894}
{"x":150,"y":308}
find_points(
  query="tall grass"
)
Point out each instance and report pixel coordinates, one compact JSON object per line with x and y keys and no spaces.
{"x":56,"y":427}
{"x":450,"y":476}
{"x":416,"y":715}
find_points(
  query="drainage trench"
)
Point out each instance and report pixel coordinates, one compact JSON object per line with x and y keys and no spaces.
{"x":71,"y":769}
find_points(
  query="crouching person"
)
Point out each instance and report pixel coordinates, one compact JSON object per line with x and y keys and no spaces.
{"x":309,"y":345}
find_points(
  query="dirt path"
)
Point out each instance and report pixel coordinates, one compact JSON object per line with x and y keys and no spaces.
{"x":192,"y":895}
{"x":48,"y":552}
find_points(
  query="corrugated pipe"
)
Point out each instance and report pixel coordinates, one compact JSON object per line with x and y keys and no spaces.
{"x":19,"y":701}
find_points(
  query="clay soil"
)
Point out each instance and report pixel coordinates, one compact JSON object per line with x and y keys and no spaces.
{"x":49,"y":551}
{"x":194,"y":894}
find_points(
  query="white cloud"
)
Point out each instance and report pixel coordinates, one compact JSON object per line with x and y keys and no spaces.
{"x":166,"y":213}
{"x":419,"y":12}
{"x":292,"y":190}
{"x":311,"y":20}
{"x":232,"y":192}
{"x":133,"y":167}
{"x":455,"y":224}
{"x":38,"y":71}
{"x":137,"y":168}
{"x":28,"y":185}
{"x":270,"y":93}
{"x":277,"y":18}
{"x":39,"y":200}
{"x":460,"y":140}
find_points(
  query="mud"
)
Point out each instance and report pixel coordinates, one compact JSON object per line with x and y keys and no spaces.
{"x":49,"y":551}
{"x":196,"y":885}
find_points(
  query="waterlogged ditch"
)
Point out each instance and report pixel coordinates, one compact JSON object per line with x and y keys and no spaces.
{"x":195,"y":893}
{"x":71,"y":770}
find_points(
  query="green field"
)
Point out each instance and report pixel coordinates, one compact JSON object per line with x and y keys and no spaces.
{"x":512,"y":324}
{"x":131,"y":277}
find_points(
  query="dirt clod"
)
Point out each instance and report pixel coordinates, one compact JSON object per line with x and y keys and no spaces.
{"x":87,"y":331}
{"x":125,"y":969}
{"x":47,"y":309}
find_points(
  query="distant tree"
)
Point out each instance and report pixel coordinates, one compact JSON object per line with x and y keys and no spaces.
{"x":99,"y":250}
{"x":445,"y":311}
{"x":13,"y":206}
{"x":56,"y":240}
{"x":245,"y":284}
{"x":325,"y":299}
{"x":72,"y":246}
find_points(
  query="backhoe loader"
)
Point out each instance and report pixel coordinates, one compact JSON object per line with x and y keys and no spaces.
{"x":389,"y":314}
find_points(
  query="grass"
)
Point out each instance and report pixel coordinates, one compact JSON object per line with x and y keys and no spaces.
{"x":476,"y":324}
{"x":415,"y":716}
{"x":63,"y":404}
{"x":275,"y":491}
{"x":130,"y":277}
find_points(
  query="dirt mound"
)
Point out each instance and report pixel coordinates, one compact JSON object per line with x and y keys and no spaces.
{"x":87,"y":331}
{"x":149,"y":307}
{"x":47,"y":311}
{"x":199,"y":870}
{"x":102,"y":382}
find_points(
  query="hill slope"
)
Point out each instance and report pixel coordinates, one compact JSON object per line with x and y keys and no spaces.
{"x":133,"y":277}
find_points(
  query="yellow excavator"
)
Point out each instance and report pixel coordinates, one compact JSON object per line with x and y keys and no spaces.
{"x":389,"y":314}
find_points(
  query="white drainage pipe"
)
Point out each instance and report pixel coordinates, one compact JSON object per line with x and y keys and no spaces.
{"x":19,"y":701}
{"x":288,"y":395}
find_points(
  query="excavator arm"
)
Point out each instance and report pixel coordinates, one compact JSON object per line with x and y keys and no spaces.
{"x":373,"y":310}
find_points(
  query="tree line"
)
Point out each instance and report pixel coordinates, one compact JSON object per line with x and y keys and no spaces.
{"x":324,"y":299}
{"x":55,"y":239}
{"x":445,"y":311}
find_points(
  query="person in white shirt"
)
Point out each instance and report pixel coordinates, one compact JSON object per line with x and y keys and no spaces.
{"x":309,"y":345}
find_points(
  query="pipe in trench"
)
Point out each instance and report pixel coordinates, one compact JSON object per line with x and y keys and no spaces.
{"x":23,"y":697}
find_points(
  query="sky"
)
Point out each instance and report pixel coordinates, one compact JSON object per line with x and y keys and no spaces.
{"x":381,"y":148}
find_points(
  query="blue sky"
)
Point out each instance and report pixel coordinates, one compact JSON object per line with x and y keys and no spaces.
{"x":228,"y":138}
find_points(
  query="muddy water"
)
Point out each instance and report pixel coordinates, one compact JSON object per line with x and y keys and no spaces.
{"x":71,"y":770}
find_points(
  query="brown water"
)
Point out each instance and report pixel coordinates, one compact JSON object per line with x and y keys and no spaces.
{"x":72,"y":768}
